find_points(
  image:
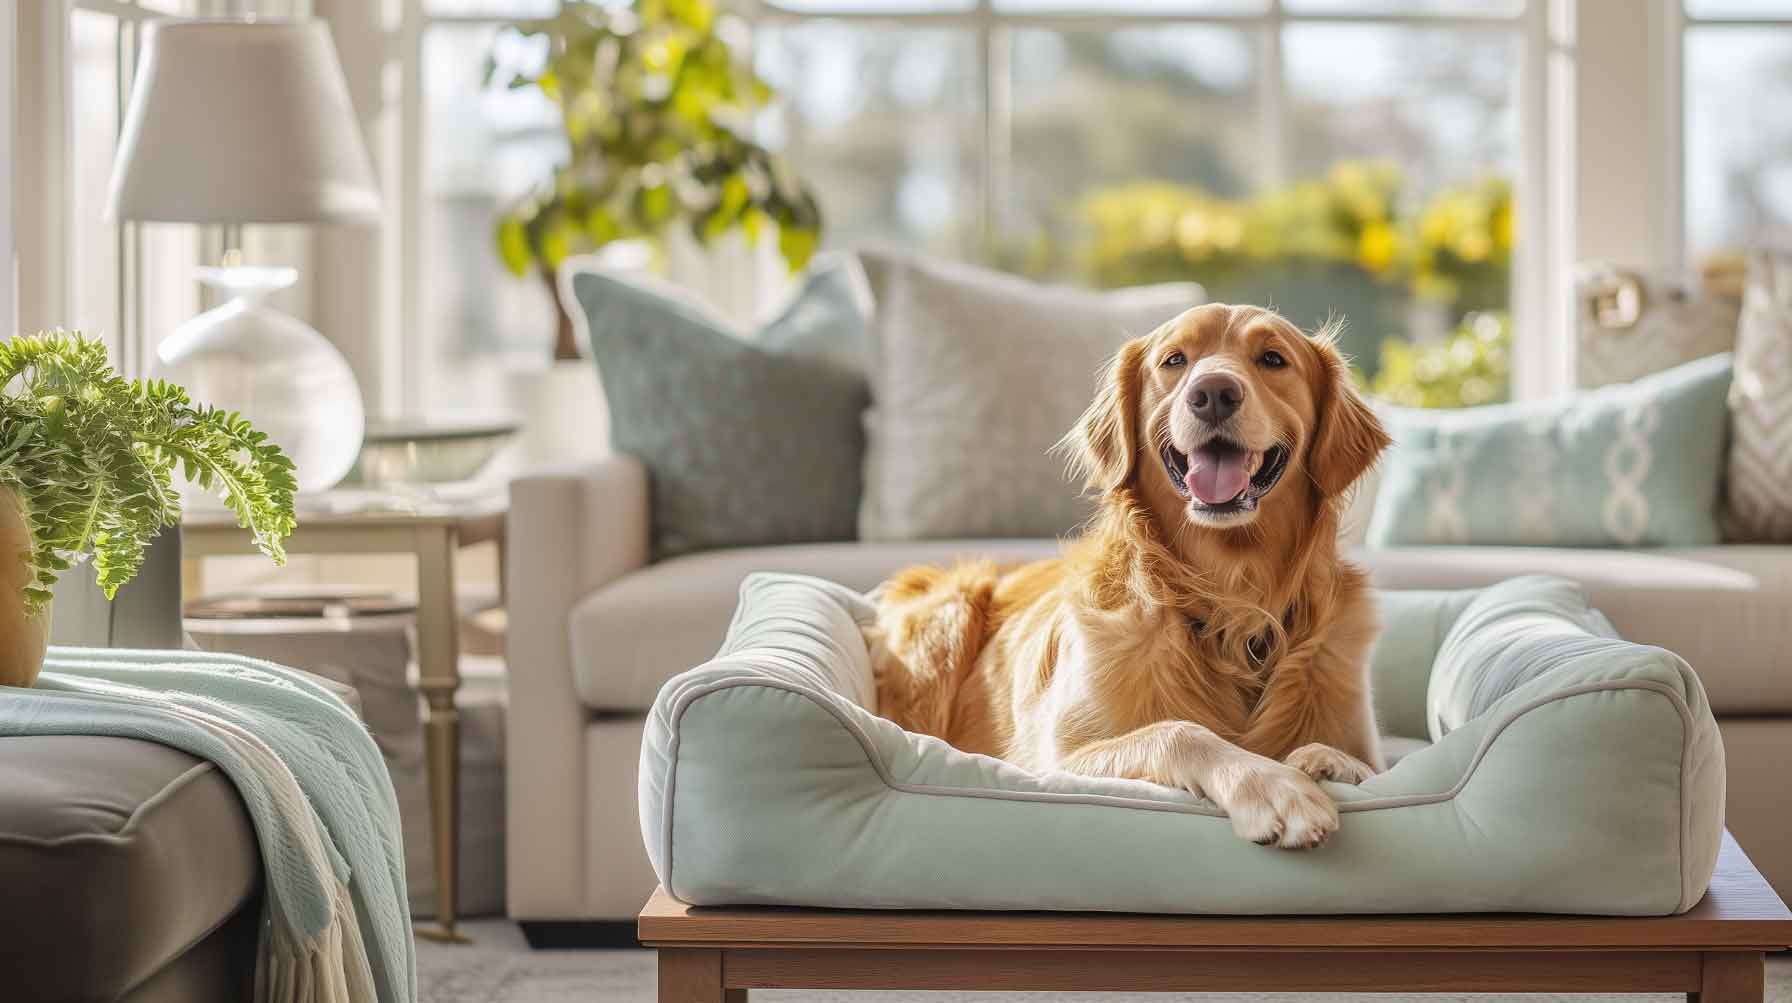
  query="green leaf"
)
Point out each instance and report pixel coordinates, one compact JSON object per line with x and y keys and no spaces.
{"x":656,"y":206}
{"x":797,"y":245}
{"x":513,"y":245}
{"x":656,"y":110}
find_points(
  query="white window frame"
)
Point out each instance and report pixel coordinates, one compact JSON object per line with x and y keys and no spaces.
{"x":1264,"y":27}
{"x":43,"y":203}
{"x":9,"y":275}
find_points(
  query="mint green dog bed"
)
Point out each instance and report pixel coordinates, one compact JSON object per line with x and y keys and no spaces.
{"x":1569,"y":771}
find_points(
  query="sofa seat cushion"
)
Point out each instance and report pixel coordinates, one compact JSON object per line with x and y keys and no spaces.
{"x":1723,"y":609}
{"x":129,"y":853}
{"x":632,"y":635}
{"x":766,"y":779}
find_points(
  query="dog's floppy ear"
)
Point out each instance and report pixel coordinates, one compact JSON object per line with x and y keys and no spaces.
{"x":1350,"y":436}
{"x":1104,"y":445}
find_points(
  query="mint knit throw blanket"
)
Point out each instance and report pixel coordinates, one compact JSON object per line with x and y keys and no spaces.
{"x":336,"y":925}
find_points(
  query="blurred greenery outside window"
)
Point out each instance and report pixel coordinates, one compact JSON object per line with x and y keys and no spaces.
{"x":1148,"y":141}
{"x":1326,"y":157}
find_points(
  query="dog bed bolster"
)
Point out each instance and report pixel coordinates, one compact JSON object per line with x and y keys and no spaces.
{"x":1570,"y":771}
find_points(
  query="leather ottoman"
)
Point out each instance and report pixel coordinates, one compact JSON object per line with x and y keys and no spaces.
{"x":131,"y":873}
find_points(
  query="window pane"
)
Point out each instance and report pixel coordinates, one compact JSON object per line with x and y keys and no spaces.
{"x":94,"y":110}
{"x":1410,"y":136}
{"x":1133,"y":6}
{"x":1738,"y":138}
{"x":484,"y":147}
{"x":1440,"y":104}
{"x":1739,"y":8}
{"x":884,"y":123}
{"x":1482,"y":8}
{"x":1096,"y":113}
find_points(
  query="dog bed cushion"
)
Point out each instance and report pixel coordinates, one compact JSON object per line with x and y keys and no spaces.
{"x":1571,"y":772}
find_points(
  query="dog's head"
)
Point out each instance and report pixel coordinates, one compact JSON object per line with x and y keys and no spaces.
{"x":1223,"y":411}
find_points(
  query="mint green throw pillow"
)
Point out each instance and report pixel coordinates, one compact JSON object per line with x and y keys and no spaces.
{"x":747,"y":440}
{"x":1630,"y":465}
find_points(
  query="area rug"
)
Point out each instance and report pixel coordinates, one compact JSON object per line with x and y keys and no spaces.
{"x":499,"y":968}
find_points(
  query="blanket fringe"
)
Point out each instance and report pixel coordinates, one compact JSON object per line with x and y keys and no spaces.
{"x":331,"y":967}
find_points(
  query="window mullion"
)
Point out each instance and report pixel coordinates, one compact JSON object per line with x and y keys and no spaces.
{"x":1272,"y":101}
{"x":1668,"y":28}
{"x":123,"y":234}
{"x":998,"y":129}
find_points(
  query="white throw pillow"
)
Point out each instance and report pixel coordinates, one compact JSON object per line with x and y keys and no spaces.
{"x":974,"y":376}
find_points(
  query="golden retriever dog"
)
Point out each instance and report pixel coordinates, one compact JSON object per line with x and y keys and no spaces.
{"x":1203,"y":632}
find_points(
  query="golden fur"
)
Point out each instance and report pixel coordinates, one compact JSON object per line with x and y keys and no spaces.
{"x":1224,"y":656}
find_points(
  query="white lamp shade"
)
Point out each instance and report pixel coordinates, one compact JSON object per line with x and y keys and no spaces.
{"x":241,"y":122}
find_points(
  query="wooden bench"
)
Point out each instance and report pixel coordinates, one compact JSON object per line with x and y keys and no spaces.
{"x":1714,"y":952}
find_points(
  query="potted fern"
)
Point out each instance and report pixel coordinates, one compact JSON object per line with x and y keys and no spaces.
{"x":87,"y":467}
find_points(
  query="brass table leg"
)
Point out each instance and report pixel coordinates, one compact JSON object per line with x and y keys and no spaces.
{"x":438,"y":651}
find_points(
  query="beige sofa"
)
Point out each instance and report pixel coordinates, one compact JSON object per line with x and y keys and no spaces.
{"x":595,"y":629}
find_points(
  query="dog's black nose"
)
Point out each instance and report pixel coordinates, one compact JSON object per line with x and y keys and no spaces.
{"x":1215,"y":397}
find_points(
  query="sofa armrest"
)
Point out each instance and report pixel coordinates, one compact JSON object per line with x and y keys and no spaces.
{"x":569,"y":532}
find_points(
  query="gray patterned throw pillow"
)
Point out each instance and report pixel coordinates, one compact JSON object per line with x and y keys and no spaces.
{"x":747,"y":440}
{"x":1760,"y":474}
{"x":975,"y":375}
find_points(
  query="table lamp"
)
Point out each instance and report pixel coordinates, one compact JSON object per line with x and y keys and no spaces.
{"x":234,"y":122}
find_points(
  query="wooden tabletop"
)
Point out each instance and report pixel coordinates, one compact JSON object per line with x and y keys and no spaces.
{"x":1740,"y":911}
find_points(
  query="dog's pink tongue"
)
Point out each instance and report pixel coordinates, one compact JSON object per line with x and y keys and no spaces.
{"x":1217,"y":477}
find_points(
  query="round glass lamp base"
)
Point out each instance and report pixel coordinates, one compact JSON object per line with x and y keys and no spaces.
{"x":274,"y":369}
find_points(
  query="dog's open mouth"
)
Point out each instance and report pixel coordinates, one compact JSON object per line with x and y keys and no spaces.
{"x":1223,"y":477}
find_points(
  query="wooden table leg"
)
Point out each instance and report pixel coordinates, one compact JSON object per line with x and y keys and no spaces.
{"x":438,"y":669}
{"x":1731,"y":977}
{"x":694,"y":976}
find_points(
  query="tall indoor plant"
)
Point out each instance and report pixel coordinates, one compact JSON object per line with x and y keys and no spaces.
{"x":87,"y":467}
{"x":656,"y":106}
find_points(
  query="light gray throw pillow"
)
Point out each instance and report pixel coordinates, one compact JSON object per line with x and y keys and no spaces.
{"x":974,"y":376}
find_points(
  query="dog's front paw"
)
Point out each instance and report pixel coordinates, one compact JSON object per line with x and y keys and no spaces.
{"x":1275,"y":805}
{"x":1322,"y":762}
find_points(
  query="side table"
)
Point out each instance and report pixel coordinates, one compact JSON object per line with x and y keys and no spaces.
{"x":431,"y":532}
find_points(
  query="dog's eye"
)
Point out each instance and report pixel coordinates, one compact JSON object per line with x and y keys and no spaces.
{"x":1272,"y":360}
{"x":1175,"y":359}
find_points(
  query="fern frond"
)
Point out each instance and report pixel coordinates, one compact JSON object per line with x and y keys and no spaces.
{"x":92,"y":459}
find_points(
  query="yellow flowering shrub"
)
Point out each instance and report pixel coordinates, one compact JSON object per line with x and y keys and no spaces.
{"x":1455,"y":248}
{"x":1348,"y":243}
{"x":1470,"y":366}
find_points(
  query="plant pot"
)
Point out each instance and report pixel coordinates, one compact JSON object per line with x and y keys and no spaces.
{"x":22,"y":637}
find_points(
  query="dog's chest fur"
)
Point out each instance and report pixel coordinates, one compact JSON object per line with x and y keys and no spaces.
{"x":1121,"y":671}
